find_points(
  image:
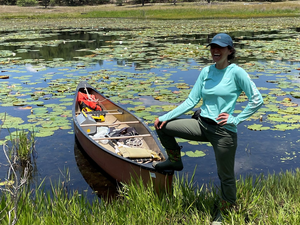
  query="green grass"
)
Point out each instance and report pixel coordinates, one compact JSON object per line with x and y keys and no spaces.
{"x":194,"y":13}
{"x":194,"y":10}
{"x":272,"y":199}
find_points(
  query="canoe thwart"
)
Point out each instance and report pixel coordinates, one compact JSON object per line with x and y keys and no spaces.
{"x":109,"y":124}
{"x":113,"y":112}
{"x":122,"y":137}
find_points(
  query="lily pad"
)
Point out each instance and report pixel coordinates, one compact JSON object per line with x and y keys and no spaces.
{"x":196,"y":153}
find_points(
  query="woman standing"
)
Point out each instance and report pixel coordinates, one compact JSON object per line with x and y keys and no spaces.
{"x":219,"y":86}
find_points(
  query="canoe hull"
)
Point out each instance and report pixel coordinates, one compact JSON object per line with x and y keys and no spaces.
{"x":118,"y":167}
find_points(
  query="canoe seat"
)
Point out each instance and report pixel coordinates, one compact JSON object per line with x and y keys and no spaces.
{"x":139,"y":153}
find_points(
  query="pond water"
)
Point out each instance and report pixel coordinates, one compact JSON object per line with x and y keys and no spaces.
{"x":144,"y":75}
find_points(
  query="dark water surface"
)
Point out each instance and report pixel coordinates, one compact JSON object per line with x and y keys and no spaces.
{"x":258,"y":151}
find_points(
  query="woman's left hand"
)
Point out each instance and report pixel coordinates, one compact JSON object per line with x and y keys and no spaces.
{"x":223,"y":117}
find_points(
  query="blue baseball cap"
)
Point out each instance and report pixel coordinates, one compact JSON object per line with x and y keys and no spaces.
{"x":222,"y":40}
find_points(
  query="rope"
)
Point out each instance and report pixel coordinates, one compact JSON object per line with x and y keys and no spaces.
{"x":89,"y":96}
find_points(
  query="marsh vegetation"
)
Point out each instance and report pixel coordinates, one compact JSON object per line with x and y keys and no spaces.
{"x":271,"y":199}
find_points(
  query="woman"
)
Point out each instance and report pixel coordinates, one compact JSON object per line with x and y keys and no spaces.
{"x":219,"y":86}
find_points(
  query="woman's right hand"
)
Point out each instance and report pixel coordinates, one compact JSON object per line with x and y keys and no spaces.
{"x":158,"y":125}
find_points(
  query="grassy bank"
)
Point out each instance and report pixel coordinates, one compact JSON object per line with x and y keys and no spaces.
{"x":159,"y":11}
{"x":266,"y":200}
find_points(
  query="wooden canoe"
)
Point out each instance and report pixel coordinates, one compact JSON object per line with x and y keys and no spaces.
{"x":120,"y":167}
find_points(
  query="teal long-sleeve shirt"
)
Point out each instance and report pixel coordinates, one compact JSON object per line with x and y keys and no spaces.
{"x":219,"y":90}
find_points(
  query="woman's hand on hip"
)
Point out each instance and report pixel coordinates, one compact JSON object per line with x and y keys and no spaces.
{"x":223,"y":117}
{"x":158,"y":125}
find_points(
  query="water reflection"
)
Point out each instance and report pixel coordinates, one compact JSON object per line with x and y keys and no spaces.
{"x":64,"y":45}
{"x":100,"y":182}
{"x":70,"y":44}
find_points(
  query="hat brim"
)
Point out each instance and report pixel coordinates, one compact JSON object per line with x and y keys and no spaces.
{"x":217,"y":43}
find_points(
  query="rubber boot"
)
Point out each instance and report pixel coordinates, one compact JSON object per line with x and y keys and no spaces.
{"x":172,"y":163}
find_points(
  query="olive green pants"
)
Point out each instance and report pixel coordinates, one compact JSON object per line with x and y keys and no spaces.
{"x":224,"y":143}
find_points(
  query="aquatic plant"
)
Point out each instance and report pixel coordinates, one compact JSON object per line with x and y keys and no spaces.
{"x":22,"y":145}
